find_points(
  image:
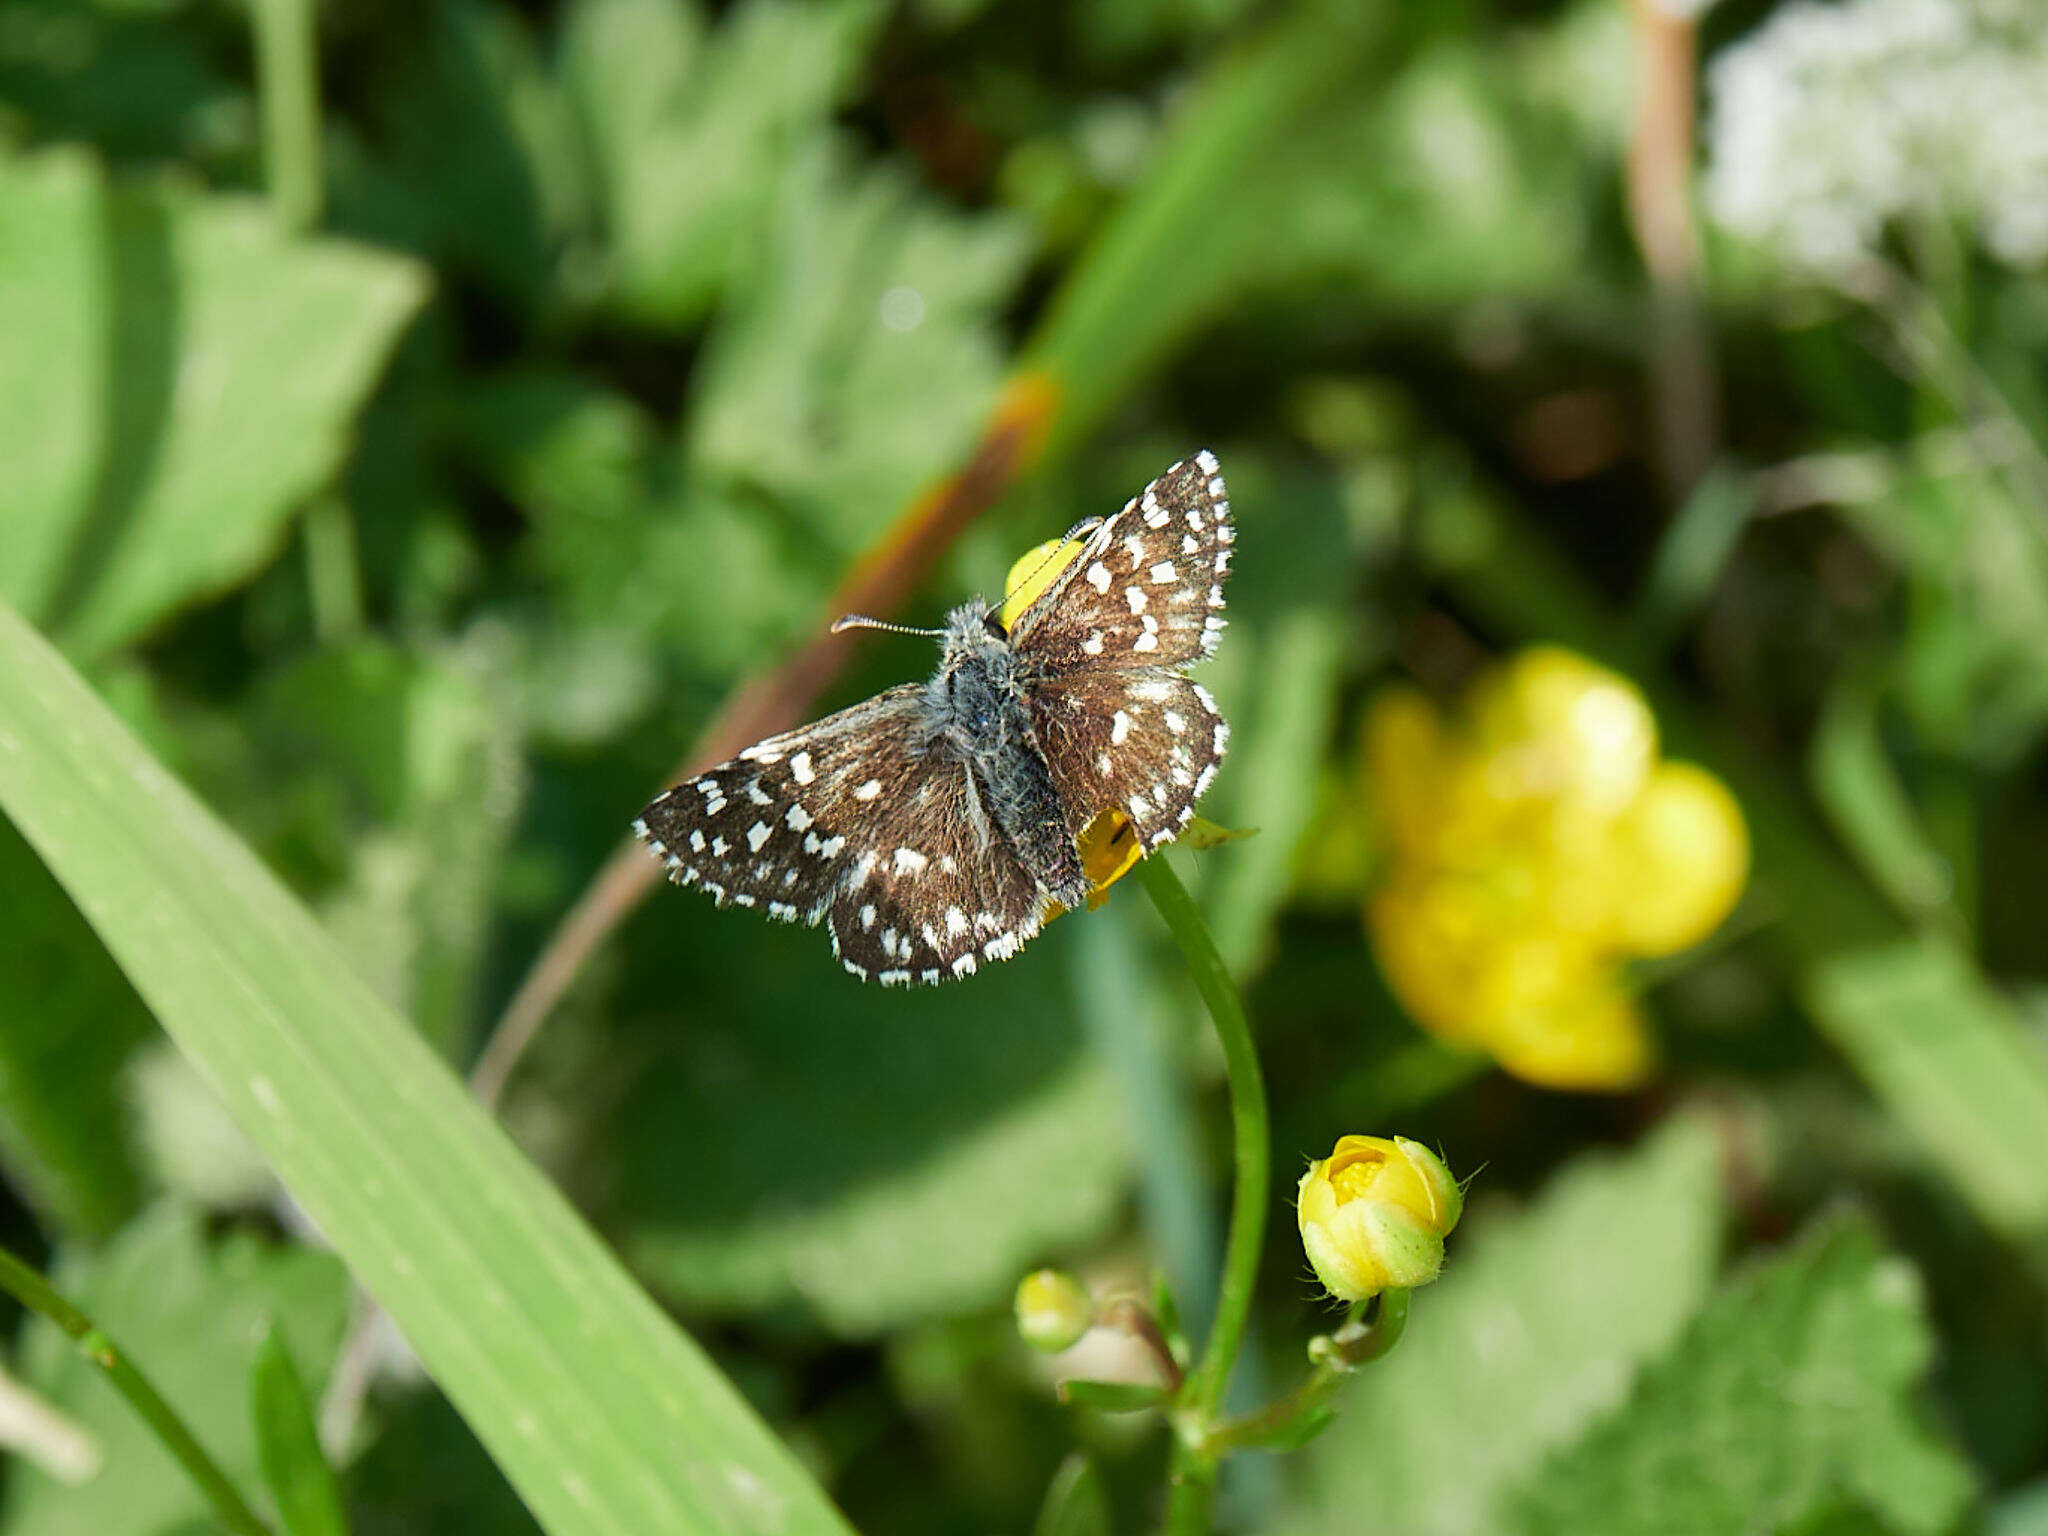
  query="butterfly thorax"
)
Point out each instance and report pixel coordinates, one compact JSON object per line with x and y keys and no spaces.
{"x":977,"y":711}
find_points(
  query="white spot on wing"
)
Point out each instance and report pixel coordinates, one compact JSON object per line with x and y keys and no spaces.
{"x":1163,"y":572}
{"x":1119,"y":728}
{"x":797,"y":817}
{"x":757,"y":834}
{"x":1136,"y":596}
{"x":1098,"y":576}
{"x":869,"y":790}
{"x":800,"y":765}
{"x":909,"y":861}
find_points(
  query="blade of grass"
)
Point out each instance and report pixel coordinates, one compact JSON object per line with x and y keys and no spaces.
{"x":288,"y":1446}
{"x":603,"y":1415}
{"x":37,"y":1294}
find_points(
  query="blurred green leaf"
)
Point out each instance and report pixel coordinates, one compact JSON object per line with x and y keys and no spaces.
{"x":1539,"y":1325}
{"x":603,"y":1415}
{"x":414,"y":912}
{"x":1790,"y":1392}
{"x":180,"y":376}
{"x":192,"y":1313}
{"x":1856,"y":785}
{"x":2023,"y":1513}
{"x":1277,"y":676}
{"x":1693,"y":553}
{"x":68,"y":1021}
{"x":481,"y":169}
{"x":1955,"y":1062}
{"x":288,"y":1445}
{"x":1076,"y":1503}
{"x":860,"y":360}
{"x":1483,"y":182}
{"x":691,"y":130}
{"x":874,"y":1156}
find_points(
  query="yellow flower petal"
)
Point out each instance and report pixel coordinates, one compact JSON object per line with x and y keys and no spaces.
{"x":1592,"y":1039}
{"x":1556,"y":724}
{"x":1683,"y":857}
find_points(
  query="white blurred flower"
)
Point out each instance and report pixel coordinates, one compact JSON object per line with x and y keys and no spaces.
{"x":1831,"y":120}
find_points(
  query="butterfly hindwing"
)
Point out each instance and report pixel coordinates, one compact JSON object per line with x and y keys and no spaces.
{"x":857,"y":819}
{"x":1146,"y":743}
{"x":1147,"y":588}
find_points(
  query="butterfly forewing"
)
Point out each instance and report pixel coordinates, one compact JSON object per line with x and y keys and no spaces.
{"x":854,"y":819}
{"x":1147,"y":588}
{"x":1146,"y":743}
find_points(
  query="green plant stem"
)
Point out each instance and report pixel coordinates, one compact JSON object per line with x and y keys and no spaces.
{"x":1356,"y":1343}
{"x":1194,"y":1471}
{"x":36,"y":1293}
{"x":288,"y":80}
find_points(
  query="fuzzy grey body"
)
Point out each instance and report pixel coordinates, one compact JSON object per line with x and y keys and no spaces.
{"x":931,"y":827}
{"x":977,"y":710}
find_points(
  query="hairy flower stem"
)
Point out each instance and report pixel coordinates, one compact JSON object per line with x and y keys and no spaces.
{"x":1371,"y":1328}
{"x":29,"y":1288}
{"x":1200,"y":1399}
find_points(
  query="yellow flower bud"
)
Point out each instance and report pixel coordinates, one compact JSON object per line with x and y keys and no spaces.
{"x":1373,"y":1215}
{"x":1053,"y":1310}
{"x":1032,"y":574}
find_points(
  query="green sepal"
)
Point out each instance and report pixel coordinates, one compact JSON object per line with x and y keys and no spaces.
{"x":1113,"y":1396}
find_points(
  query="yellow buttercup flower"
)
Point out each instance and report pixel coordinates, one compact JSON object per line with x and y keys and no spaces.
{"x":1374,"y":1214}
{"x":1535,"y":843}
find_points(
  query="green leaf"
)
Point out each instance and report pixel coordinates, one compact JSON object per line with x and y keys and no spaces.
{"x":1855,"y":782}
{"x":155,"y":445}
{"x":1955,"y":1062}
{"x":1112,"y":1396}
{"x":1693,"y":552}
{"x":1538,"y":1325}
{"x":691,"y":132}
{"x":68,"y":1022}
{"x":486,"y":173}
{"x":1790,"y":1393}
{"x":2021,"y":1513}
{"x":603,"y":1415}
{"x":1277,"y":676}
{"x":968,"y":1151}
{"x":288,"y":1444}
{"x":1076,"y":1502}
{"x":862,"y":359}
{"x":190,"y":1313}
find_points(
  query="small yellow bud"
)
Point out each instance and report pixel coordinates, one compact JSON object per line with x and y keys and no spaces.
{"x":1373,"y":1215}
{"x":1053,"y":1310}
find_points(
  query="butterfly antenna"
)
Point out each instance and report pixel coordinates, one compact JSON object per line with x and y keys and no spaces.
{"x":1073,"y":535}
{"x":862,"y":621}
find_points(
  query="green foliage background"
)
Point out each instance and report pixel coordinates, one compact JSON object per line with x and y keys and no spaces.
{"x":419,"y":545}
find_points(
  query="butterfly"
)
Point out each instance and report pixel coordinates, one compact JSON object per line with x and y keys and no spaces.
{"x":932,"y":826}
